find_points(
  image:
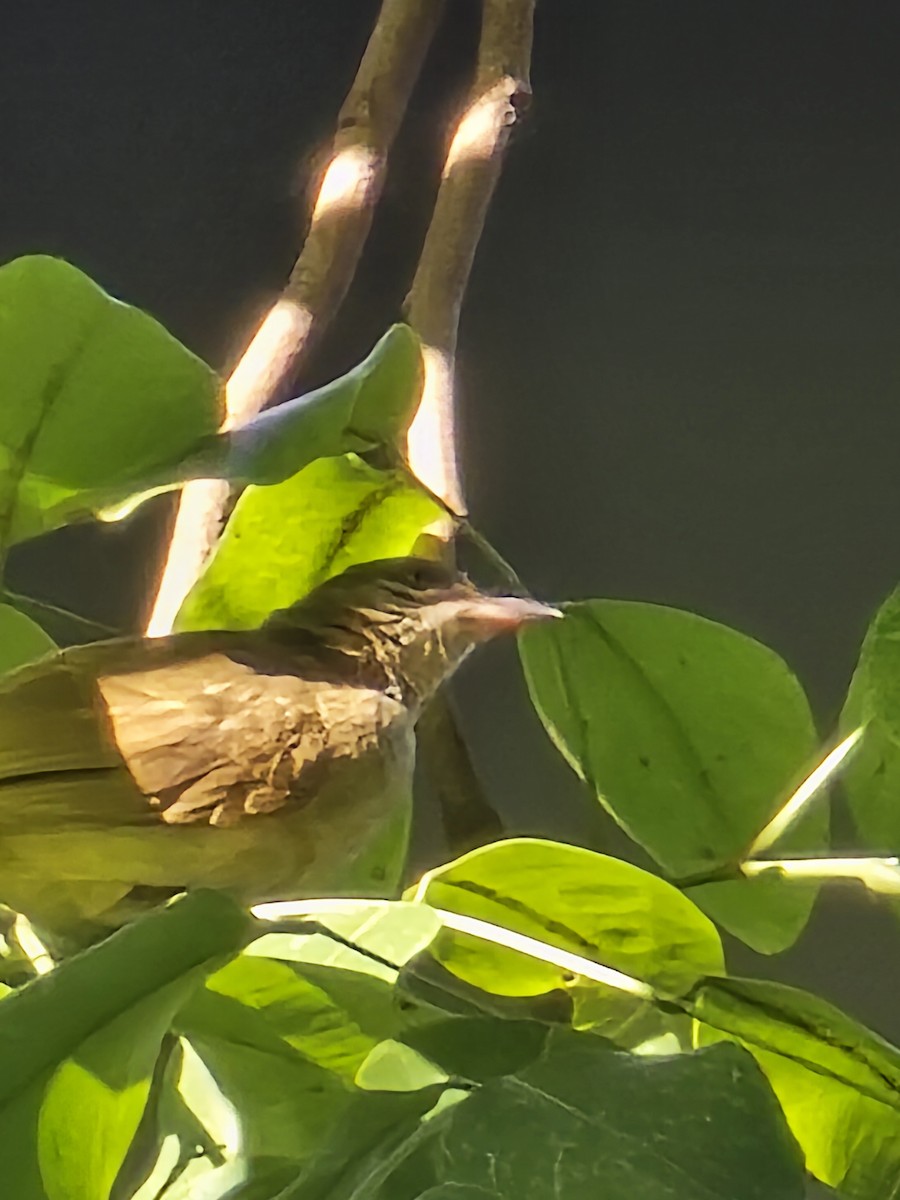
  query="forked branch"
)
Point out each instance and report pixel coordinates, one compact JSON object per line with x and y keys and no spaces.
{"x":340,"y":222}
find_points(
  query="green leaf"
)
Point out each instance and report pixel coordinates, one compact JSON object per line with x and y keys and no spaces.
{"x":394,"y":931}
{"x":368,"y":1135}
{"x":105,"y":408}
{"x":692,"y":735}
{"x":21,"y":639}
{"x":838,"y":1083}
{"x":395,"y":1066}
{"x":458,"y":1191}
{"x":331,"y":1017}
{"x":285,"y":1041}
{"x":286,"y":1103}
{"x":598,"y":907}
{"x":587,"y":1121}
{"x":872,"y":775}
{"x":78,"y":1046}
{"x":191,"y":1126}
{"x":369,"y":406}
{"x":284,"y":540}
{"x":478,"y":1048}
{"x":97,"y":396}
{"x":285,"y":1100}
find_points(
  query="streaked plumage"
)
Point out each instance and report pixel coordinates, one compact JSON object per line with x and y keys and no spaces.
{"x":274,"y":762}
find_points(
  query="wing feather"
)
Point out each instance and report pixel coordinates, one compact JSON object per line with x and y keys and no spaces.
{"x":213,"y":739}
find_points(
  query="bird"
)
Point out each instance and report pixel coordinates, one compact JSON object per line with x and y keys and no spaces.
{"x":272,"y":763}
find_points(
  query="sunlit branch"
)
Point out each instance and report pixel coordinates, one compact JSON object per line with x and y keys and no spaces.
{"x":431,"y":440}
{"x":471,"y":170}
{"x":339,"y":224}
{"x":264,"y":364}
{"x":880,"y":875}
{"x":789,"y":813}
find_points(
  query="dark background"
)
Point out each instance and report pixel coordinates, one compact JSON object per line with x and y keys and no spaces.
{"x":679,"y":355}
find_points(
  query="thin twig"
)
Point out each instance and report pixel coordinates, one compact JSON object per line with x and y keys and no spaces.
{"x":463,"y":527}
{"x":470,"y":174}
{"x":340,"y":222}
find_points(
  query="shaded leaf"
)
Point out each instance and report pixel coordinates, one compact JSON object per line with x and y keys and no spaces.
{"x":692,"y":735}
{"x":355,"y":1159}
{"x":369,"y":406}
{"x":284,"y":540}
{"x":593,"y":905}
{"x":78,"y":1046}
{"x":586,"y":1121}
{"x":871,"y":777}
{"x":21,"y":639}
{"x":97,"y":396}
{"x":478,"y":1048}
{"x":105,"y":408}
{"x":189,"y":1132}
{"x":284,"y":1042}
{"x":838,"y":1082}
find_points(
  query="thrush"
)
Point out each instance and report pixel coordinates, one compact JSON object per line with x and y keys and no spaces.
{"x":273,"y":763}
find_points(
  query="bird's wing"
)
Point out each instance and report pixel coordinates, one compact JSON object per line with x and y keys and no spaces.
{"x":52,"y":718}
{"x":89,"y":739}
{"x":215,"y":739}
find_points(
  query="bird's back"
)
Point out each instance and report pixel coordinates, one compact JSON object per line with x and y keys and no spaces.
{"x":131,"y":767}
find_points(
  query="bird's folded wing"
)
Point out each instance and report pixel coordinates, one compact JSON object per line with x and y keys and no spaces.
{"x":116,"y":760}
{"x":217,"y":739}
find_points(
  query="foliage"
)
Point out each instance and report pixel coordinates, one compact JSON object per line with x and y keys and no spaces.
{"x":533,"y":1019}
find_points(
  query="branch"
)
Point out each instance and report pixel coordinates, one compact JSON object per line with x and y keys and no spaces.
{"x":340,"y":222}
{"x":471,"y":170}
{"x":470,"y":174}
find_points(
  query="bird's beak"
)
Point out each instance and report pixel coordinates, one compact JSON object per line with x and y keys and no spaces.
{"x":495,"y":615}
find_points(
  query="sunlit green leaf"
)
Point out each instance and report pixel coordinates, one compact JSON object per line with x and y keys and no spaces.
{"x":284,"y":540}
{"x":598,"y":907}
{"x":95,"y":395}
{"x":838,"y":1083}
{"x":394,"y":1066}
{"x":285,"y":1042}
{"x":388,"y":934}
{"x":331,"y":1017}
{"x":78,"y":1046}
{"x":692,"y":735}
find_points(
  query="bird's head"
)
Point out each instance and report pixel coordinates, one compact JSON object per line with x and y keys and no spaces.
{"x":411,"y":618}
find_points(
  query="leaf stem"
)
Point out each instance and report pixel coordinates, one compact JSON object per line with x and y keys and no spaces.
{"x":28,"y":604}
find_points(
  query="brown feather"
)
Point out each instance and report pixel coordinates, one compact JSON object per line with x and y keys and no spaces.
{"x":214,"y":740}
